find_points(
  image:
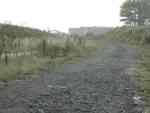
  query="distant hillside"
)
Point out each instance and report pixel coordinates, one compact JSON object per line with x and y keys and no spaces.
{"x":82,"y":31}
{"x":14,"y":31}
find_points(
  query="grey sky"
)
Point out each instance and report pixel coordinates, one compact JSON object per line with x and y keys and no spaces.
{"x":61,"y":14}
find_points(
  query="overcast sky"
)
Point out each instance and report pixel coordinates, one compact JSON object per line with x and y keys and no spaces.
{"x":61,"y":14}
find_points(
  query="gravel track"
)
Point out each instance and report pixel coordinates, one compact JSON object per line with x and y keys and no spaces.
{"x":99,"y":84}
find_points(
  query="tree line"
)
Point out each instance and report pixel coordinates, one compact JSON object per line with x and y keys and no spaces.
{"x":135,"y":12}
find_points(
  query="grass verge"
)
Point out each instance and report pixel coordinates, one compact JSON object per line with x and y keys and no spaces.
{"x":144,"y":74}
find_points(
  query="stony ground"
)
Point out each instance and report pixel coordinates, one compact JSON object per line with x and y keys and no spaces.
{"x":99,"y":84}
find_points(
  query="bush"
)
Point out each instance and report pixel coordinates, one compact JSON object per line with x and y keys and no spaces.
{"x":136,"y":35}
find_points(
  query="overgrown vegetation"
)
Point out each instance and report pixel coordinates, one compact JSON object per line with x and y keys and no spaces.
{"x":25,"y":51}
{"x":144,"y":72}
{"x":134,"y":35}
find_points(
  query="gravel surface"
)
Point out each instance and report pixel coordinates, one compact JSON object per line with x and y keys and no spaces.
{"x":99,"y":84}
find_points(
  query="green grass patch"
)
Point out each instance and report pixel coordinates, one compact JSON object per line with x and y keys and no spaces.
{"x":21,"y":68}
{"x":144,"y":73}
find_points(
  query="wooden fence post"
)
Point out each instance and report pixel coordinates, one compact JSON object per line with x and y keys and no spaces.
{"x":44,"y":47}
{"x":6,"y":58}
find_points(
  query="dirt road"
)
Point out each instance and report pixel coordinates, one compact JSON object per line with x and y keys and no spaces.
{"x":99,"y":84}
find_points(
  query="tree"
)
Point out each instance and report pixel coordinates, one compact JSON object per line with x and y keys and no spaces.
{"x":135,"y":12}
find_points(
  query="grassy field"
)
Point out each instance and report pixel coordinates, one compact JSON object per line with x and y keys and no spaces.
{"x":28,"y":66}
{"x":25,"y":51}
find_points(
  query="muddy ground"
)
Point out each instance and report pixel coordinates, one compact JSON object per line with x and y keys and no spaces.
{"x":98,"y":84}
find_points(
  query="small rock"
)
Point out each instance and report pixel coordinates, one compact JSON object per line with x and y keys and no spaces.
{"x":138,"y":100}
